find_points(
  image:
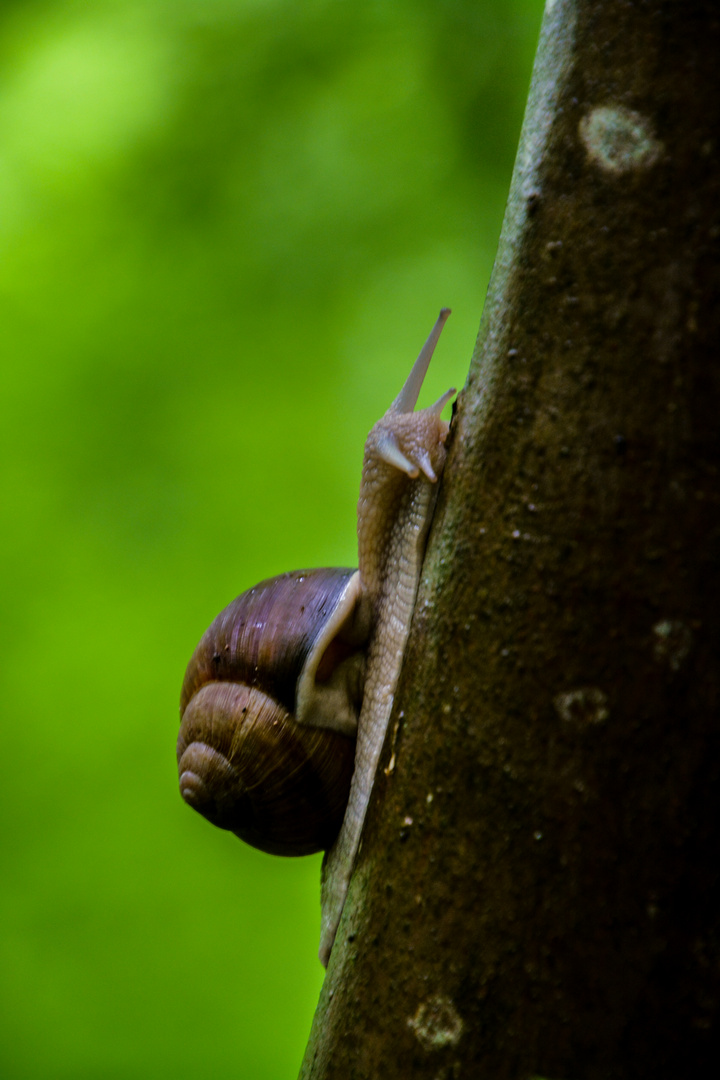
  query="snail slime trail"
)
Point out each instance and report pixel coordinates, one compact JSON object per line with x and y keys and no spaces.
{"x":287,"y":697}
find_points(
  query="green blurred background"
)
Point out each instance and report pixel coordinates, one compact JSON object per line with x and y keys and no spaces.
{"x":226,"y":228}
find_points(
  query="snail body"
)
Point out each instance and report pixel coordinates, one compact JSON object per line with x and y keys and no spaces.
{"x":287,"y":698}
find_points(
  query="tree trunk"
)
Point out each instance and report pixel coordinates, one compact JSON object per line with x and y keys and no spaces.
{"x":537,"y":892}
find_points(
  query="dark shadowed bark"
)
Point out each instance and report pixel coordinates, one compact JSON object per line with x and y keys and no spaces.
{"x":538,"y":887}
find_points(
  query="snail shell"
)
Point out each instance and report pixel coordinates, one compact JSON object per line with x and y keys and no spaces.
{"x":269,"y":711}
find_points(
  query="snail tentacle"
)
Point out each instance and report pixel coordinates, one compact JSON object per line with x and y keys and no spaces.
{"x":408,"y":396}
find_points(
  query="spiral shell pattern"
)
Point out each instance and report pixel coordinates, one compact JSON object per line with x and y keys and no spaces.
{"x":244,"y":761}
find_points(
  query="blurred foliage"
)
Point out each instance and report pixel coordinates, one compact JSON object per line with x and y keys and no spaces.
{"x":226,"y":227}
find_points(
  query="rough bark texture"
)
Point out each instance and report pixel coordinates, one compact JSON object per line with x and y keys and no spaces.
{"x":538,"y":888}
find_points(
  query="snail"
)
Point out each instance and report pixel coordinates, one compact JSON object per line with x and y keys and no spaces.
{"x":287,"y":697}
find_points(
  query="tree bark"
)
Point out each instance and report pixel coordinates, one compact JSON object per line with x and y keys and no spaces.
{"x":537,"y":892}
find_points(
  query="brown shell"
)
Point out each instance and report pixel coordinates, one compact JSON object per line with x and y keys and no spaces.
{"x":244,"y":761}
